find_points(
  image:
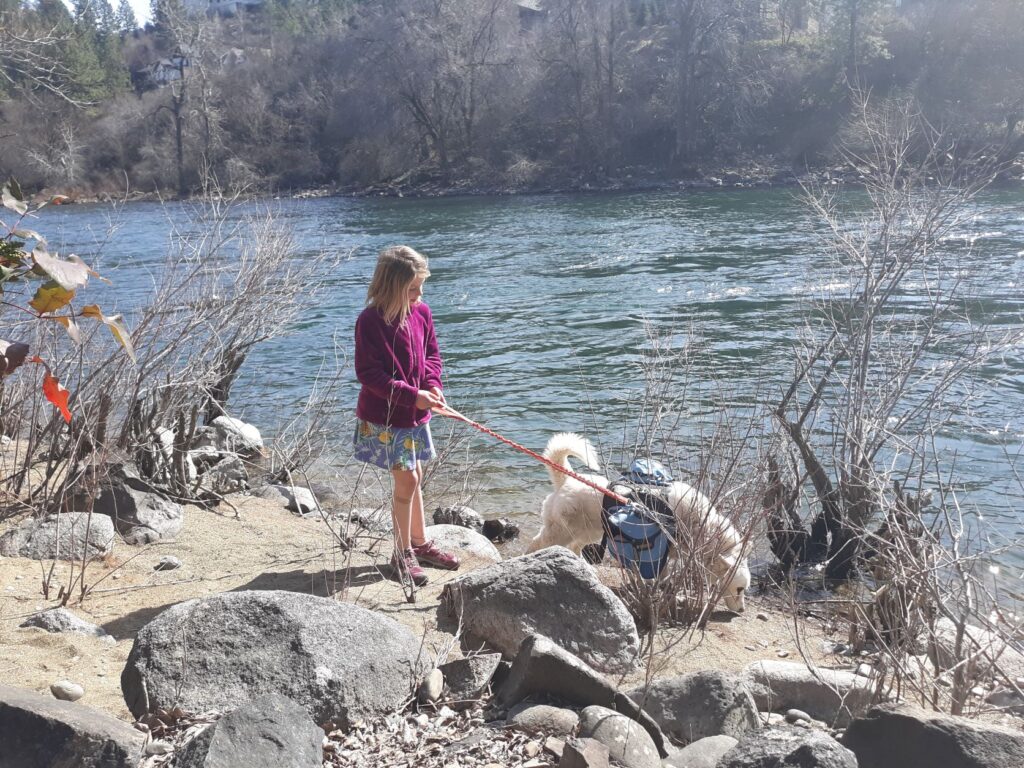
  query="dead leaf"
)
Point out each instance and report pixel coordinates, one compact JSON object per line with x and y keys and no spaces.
{"x":116,"y":326}
{"x":12,"y":354}
{"x":50,"y":297}
{"x":71,"y":327}
{"x":57,"y":395}
{"x":71,"y":275}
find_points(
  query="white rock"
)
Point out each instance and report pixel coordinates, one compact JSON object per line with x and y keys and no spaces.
{"x":67,"y":691}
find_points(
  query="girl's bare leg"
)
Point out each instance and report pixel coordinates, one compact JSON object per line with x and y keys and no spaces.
{"x":406,"y":490}
{"x":418,"y":527}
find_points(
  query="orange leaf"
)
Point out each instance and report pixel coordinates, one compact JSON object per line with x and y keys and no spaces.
{"x":57,"y":395}
{"x":72,"y":328}
{"x":116,"y":326}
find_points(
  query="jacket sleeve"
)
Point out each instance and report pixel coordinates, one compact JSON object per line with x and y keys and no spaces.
{"x":434,"y":367}
{"x":373,"y":369}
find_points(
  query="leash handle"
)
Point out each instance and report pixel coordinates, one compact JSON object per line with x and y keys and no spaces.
{"x":447,"y":410}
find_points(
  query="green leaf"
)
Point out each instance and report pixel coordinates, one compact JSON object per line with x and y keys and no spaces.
{"x":15,"y":189}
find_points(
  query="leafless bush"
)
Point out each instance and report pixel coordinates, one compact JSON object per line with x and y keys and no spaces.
{"x":888,"y":358}
{"x":225,"y":287}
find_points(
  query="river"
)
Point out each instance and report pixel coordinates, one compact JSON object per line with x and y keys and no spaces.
{"x":545,"y":306}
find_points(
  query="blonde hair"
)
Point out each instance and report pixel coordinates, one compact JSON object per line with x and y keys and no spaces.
{"x":397,"y":269}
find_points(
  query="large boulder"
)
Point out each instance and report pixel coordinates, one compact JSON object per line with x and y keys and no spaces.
{"x":789,"y":747}
{"x":66,"y":536}
{"x":899,"y":736}
{"x":541,"y":667}
{"x":628,"y":744}
{"x":140,"y":514}
{"x":465,"y":542}
{"x":552,"y":593}
{"x":39,"y":731}
{"x":832,"y":696}
{"x":692,"y":707}
{"x":339,"y":661}
{"x":269,"y":730}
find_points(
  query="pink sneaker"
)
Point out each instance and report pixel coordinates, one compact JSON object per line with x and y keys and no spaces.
{"x":407,"y":564}
{"x":429,"y":553}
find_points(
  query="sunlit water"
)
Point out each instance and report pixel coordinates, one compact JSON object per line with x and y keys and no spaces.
{"x":544,"y":306}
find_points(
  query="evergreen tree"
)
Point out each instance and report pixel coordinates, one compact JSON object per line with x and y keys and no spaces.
{"x":124,"y":20}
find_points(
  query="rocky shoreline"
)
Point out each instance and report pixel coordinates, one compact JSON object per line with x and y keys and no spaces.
{"x":425,"y":185}
{"x":277,"y":635}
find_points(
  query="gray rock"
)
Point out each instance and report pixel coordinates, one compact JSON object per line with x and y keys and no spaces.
{"x":543,"y":718}
{"x":692,"y":707}
{"x":543,"y":667}
{"x":703,"y":753}
{"x":628,"y":743}
{"x":467,"y":679}
{"x":63,"y":620}
{"x":235,"y":436}
{"x":500,"y":529}
{"x":458,"y":515}
{"x":374,"y":520}
{"x":65,"y":690}
{"x":467,"y":543}
{"x":1006,"y":699}
{"x":67,"y":536}
{"x":140,"y":514}
{"x":432,"y":687}
{"x":584,"y":753}
{"x":988,"y":653}
{"x":553,"y":593}
{"x":41,"y":732}
{"x":339,"y":661}
{"x":832,"y":696}
{"x":269,"y":730}
{"x":228,"y":475}
{"x":167,"y":563}
{"x":788,"y":747}
{"x":302,"y":501}
{"x":899,"y":736}
{"x":796,"y":715}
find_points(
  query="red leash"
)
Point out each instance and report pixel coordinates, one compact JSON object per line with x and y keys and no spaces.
{"x":447,"y":410}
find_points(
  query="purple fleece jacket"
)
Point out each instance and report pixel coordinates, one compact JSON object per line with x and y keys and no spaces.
{"x":393,"y":364}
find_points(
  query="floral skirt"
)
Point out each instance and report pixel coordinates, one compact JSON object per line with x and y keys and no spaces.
{"x":393,"y":447}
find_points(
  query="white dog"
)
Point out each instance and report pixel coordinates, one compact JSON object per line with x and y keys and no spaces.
{"x":571,"y":516}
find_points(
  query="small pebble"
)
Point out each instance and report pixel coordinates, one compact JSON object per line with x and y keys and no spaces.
{"x":762,"y":617}
{"x":115,"y":576}
{"x":167,"y":563}
{"x":158,"y":747}
{"x":865,"y":670}
{"x":782,"y":654}
{"x":65,"y":690}
{"x":978,"y":691}
{"x":750,"y":647}
{"x":796,"y":715}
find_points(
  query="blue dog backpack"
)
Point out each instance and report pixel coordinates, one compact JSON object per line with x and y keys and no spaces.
{"x":638,"y":539}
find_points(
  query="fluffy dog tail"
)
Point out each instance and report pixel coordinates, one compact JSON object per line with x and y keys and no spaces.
{"x":563,"y":445}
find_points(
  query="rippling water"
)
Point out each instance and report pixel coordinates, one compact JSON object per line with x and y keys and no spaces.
{"x":544,"y":307}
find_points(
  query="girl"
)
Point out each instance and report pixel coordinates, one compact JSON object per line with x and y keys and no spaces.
{"x":399,"y":367}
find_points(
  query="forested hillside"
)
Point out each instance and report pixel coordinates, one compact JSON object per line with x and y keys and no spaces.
{"x":480,"y":94}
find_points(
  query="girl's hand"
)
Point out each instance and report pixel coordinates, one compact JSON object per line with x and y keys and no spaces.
{"x":427,"y":400}
{"x":436,"y":391}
